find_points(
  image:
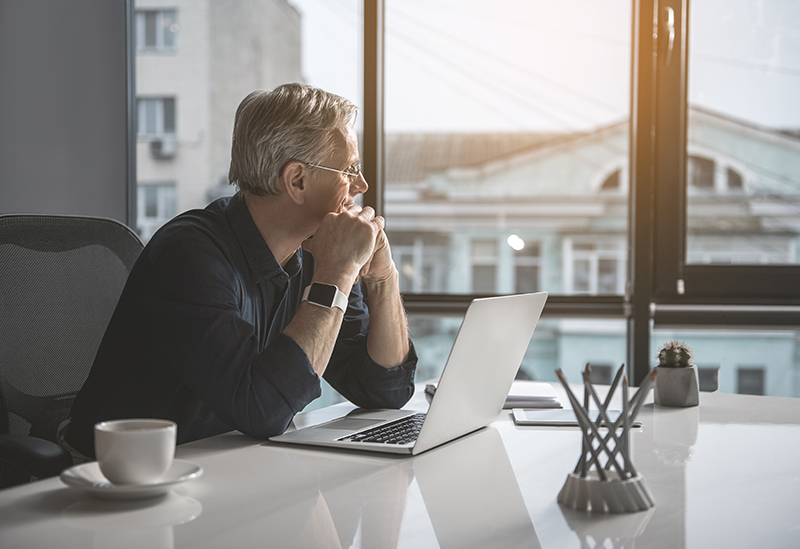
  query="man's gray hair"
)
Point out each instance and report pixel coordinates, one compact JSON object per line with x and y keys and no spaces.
{"x":292,"y":122}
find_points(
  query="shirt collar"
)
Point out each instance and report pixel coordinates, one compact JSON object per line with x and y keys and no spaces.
{"x":260,"y":258}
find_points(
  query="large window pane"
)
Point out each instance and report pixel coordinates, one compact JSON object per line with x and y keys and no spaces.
{"x":508,"y":122}
{"x":743,"y":170}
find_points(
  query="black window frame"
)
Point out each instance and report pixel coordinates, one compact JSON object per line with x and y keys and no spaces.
{"x":661,"y":288}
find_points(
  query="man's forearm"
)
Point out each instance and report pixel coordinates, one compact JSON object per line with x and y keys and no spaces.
{"x":387,"y":341}
{"x":314,"y":329}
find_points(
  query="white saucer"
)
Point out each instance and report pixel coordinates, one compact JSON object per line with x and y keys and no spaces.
{"x":88,"y":477}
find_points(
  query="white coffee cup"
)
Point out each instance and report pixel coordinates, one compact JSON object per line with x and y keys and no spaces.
{"x":135,"y":451}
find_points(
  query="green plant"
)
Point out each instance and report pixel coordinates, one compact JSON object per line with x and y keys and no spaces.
{"x":674,"y":355}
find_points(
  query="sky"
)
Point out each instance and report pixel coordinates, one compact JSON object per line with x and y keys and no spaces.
{"x":745,"y":59}
{"x":550,"y":65}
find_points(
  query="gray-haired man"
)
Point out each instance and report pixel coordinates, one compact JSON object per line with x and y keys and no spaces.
{"x":232,"y":314}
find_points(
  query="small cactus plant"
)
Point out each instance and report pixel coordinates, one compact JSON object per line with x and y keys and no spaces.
{"x":674,"y":355}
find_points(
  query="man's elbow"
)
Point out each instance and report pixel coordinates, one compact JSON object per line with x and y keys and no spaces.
{"x":266,"y":427}
{"x":403,"y":396}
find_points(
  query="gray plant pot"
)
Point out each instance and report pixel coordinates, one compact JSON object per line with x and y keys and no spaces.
{"x":679,"y":387}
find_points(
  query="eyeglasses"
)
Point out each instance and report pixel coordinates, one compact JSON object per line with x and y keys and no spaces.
{"x":353,"y":171}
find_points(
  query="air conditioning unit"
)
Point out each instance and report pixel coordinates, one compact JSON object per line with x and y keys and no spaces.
{"x":163,"y":148}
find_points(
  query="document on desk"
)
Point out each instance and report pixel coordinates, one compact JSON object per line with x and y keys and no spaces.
{"x":559,"y":418}
{"x":523,"y":394}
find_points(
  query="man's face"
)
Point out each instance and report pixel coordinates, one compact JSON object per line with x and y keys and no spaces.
{"x":336,"y":192}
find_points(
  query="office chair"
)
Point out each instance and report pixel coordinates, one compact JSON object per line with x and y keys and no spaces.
{"x":60,"y":280}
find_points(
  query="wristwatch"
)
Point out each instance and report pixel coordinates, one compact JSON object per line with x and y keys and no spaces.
{"x":325,"y":295}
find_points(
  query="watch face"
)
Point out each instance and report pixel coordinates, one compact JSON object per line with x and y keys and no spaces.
{"x":323,"y":294}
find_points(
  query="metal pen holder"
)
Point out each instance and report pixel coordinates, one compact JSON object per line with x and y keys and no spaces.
{"x":605,"y":479}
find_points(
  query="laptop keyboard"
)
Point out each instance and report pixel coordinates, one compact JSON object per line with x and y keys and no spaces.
{"x":402,"y":431}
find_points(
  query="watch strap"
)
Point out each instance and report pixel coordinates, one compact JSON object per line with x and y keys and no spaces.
{"x":325,"y":295}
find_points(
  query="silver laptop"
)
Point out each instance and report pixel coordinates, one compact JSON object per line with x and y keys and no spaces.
{"x":474,"y":385}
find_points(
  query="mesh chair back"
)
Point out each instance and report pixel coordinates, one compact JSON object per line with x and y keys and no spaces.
{"x":60,"y":280}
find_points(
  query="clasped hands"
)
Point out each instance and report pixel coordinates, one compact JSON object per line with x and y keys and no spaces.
{"x":352,"y":244}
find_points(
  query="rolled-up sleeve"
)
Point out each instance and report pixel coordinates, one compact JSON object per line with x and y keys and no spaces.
{"x":356,"y":376}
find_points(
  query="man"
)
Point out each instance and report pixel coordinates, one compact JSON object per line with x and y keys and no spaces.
{"x":232,"y":314}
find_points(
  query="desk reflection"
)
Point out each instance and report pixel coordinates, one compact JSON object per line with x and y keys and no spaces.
{"x":82,"y":520}
{"x":611,"y":531}
{"x":131,"y":524}
{"x":472,"y":495}
{"x":468,"y":487}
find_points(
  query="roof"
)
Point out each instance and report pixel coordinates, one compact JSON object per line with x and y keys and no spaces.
{"x":410,"y":158}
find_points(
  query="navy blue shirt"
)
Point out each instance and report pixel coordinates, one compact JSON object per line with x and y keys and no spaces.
{"x":197,"y":337}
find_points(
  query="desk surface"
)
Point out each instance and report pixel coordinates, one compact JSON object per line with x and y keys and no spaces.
{"x":724,"y":474}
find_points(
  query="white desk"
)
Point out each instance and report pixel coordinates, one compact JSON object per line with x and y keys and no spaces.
{"x":724,"y":474}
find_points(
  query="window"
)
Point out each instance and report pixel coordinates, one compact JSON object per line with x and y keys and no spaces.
{"x":742,"y":77}
{"x":735,"y":182}
{"x":737,"y":78}
{"x":505,"y":154}
{"x":611,"y":183}
{"x":701,"y":172}
{"x":594,"y":266}
{"x":508,"y":139}
{"x":708,"y":377}
{"x":750,"y":381}
{"x":421,"y":261}
{"x":484,"y":266}
{"x":505,"y":141}
{"x":602,"y":374}
{"x":714,"y":177}
{"x":156,"y":117}
{"x":156,"y":30}
{"x":156,"y":206}
{"x":527,"y":264}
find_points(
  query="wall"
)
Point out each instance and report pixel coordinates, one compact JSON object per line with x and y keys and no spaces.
{"x":64,"y":107}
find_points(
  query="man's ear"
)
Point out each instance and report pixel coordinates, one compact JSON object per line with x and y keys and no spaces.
{"x":295,"y":181}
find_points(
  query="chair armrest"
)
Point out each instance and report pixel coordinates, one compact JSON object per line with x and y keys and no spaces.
{"x":41,"y":458}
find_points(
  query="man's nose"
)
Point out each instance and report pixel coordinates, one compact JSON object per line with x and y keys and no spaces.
{"x":360,"y":185}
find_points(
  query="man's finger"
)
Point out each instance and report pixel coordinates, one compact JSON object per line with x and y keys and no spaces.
{"x":367,"y":212}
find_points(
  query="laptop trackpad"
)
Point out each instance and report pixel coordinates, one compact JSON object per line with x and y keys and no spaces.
{"x":350,"y":424}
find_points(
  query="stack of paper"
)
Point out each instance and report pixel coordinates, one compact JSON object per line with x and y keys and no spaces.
{"x":523,"y":394}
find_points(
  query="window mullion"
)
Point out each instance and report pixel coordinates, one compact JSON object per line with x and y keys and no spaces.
{"x":642,"y":178}
{"x":670,"y":149}
{"x":373,"y":138}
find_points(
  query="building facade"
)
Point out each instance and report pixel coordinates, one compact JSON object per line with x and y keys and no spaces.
{"x":195,"y":61}
{"x":506,"y":214}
